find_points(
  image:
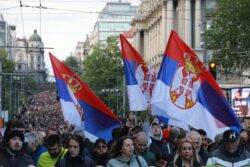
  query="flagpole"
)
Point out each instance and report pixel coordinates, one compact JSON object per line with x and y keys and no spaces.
{"x":124,"y":96}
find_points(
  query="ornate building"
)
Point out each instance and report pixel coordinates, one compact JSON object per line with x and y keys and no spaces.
{"x":30,"y":54}
{"x":157,"y":18}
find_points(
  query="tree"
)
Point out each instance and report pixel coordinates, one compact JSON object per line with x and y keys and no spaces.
{"x":72,"y":63}
{"x":229,"y":36}
{"x":7,"y":65}
{"x":103,"y":71}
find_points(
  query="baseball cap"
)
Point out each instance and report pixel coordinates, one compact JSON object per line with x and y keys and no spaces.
{"x":230,"y":135}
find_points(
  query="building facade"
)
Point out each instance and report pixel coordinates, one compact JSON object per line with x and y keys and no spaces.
{"x":157,"y":18}
{"x":78,"y":53}
{"x":7,"y":38}
{"x":113,"y":20}
{"x":29,"y":56}
{"x":81,"y":51}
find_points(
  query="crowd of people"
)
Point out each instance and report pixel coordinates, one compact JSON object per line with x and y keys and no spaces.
{"x":39,"y":137}
{"x":43,"y":110}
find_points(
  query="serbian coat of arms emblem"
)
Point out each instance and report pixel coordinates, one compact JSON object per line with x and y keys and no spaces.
{"x":185,"y":84}
{"x":146,"y":81}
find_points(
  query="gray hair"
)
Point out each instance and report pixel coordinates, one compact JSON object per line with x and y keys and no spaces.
{"x":33,"y":137}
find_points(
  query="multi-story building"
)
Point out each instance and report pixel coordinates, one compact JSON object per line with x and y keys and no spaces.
{"x":82,"y":50}
{"x":7,"y":37}
{"x":157,"y":18}
{"x":78,"y":53}
{"x":113,"y":20}
{"x":30,"y":55}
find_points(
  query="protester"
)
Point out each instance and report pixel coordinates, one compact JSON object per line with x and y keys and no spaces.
{"x":203,"y":134}
{"x":123,"y":154}
{"x":88,"y":145}
{"x":55,"y":152}
{"x":101,"y":154}
{"x":35,"y":143}
{"x":75,"y":156}
{"x":244,"y":138}
{"x":230,"y":154}
{"x":195,"y":137}
{"x":14,"y":125}
{"x":11,"y":154}
{"x":186,"y":155}
{"x":158,"y":145}
{"x":173,"y":141}
{"x":141,"y":148}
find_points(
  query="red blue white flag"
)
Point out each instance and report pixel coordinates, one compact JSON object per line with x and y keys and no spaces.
{"x":186,"y":91}
{"x":80,"y":106}
{"x":140,"y":79}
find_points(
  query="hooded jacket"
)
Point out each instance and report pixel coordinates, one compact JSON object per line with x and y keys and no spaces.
{"x":159,"y":146}
{"x":135,"y":161}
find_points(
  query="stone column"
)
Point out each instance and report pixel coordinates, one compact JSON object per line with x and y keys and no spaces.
{"x":136,"y":40}
{"x":163,"y":26}
{"x":170,"y":18}
{"x":145,"y":43}
{"x":197,"y":24}
{"x":187,"y":11}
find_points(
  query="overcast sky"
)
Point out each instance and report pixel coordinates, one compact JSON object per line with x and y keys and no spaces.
{"x":60,"y":29}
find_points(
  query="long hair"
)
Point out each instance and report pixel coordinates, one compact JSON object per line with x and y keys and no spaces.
{"x":116,"y":150}
{"x":177,"y":155}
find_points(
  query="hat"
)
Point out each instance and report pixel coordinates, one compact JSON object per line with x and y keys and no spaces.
{"x":230,"y":135}
{"x":15,"y":133}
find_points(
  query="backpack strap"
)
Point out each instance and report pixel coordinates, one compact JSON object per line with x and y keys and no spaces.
{"x":138,"y":161}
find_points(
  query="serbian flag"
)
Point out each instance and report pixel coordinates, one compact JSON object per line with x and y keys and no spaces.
{"x":80,"y":106}
{"x":186,"y":91}
{"x":140,"y":79}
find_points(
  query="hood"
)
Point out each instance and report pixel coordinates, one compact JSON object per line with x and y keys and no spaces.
{"x":151,"y":135}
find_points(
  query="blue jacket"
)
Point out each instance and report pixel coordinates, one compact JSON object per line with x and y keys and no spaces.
{"x":35,"y":155}
{"x":135,"y":161}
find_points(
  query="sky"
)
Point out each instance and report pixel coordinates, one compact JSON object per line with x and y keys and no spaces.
{"x":60,"y":29}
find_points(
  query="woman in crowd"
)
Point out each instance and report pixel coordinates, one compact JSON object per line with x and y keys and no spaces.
{"x":100,"y":154}
{"x":75,"y":156}
{"x":185,"y":155}
{"x":123,"y":154}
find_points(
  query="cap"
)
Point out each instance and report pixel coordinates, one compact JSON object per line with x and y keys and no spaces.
{"x":230,"y":135}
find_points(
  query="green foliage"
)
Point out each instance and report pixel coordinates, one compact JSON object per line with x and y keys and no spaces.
{"x":7,"y":65}
{"x":72,"y":63}
{"x":229,"y":35}
{"x":103,"y":71}
{"x":15,"y":88}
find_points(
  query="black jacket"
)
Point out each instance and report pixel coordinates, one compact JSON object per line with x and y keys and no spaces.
{"x":178,"y":163}
{"x":79,"y":161}
{"x":9,"y":159}
{"x":160,"y":149}
{"x":101,"y":159}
